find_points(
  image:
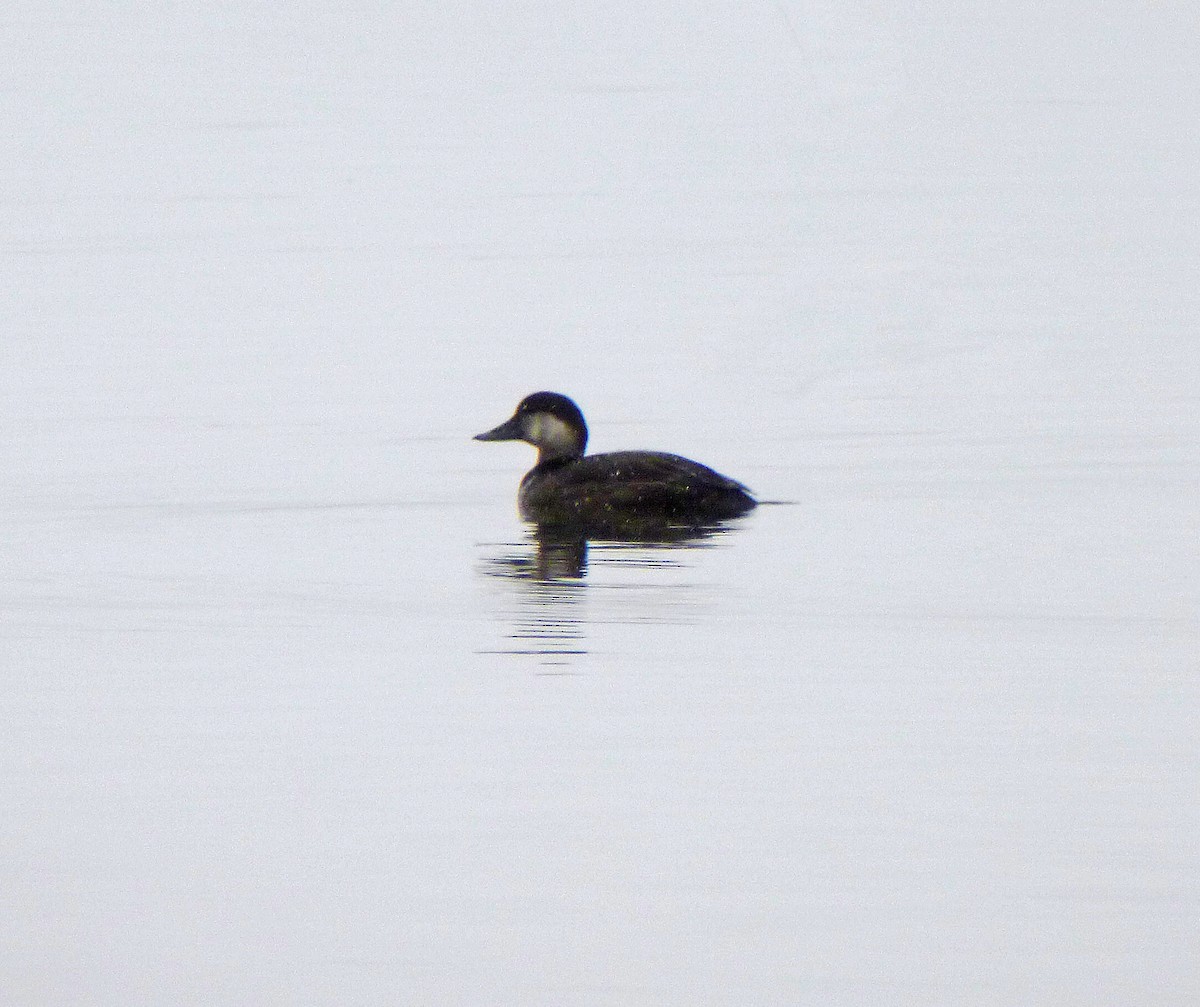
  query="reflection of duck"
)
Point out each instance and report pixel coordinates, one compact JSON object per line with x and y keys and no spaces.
{"x":554,"y":557}
{"x":624,"y":494}
{"x":544,"y":584}
{"x":561,"y":553}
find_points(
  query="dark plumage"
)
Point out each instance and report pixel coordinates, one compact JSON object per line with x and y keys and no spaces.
{"x":566,"y":487}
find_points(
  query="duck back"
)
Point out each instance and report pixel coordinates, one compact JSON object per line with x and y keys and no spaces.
{"x":640,"y":484}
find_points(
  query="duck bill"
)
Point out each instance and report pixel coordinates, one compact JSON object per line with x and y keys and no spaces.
{"x":509,"y":430}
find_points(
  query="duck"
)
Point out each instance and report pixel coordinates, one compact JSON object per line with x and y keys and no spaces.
{"x":570,"y":488}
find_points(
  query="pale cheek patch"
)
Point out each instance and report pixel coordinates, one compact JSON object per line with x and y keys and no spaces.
{"x":549,"y":432}
{"x":533,"y":429}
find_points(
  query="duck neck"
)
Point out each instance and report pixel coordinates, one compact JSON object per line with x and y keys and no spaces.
{"x":557,"y":454}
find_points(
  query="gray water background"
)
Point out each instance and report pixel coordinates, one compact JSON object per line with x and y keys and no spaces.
{"x":288,"y":716}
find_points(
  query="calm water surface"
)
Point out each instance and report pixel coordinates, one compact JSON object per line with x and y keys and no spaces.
{"x":297,"y":711}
